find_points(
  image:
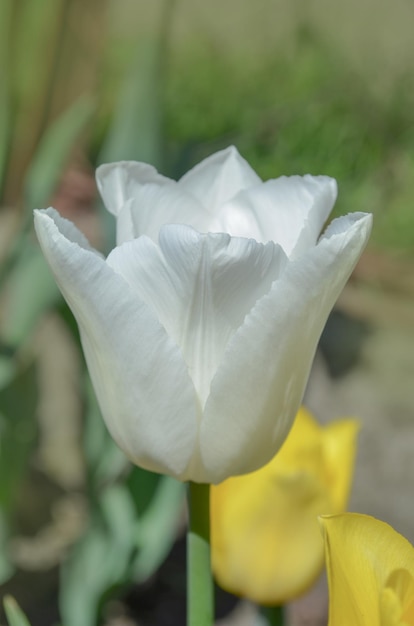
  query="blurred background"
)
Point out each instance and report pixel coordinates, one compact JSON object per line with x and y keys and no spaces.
{"x":298,"y":86}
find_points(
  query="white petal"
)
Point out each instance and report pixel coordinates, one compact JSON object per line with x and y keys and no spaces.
{"x":117,"y":182}
{"x":218,"y":178}
{"x":200,"y":287}
{"x":155,"y":205}
{"x":259,"y":385}
{"x":125,"y":229}
{"x":68,"y":229}
{"x":289,"y":210}
{"x":143,"y":201}
{"x":142,"y":385}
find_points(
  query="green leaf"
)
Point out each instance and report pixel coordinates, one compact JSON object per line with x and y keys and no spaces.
{"x":157,"y":529}
{"x":36,"y":30}
{"x":135,"y":130}
{"x":142,"y":484}
{"x":273,"y":615}
{"x":105,"y":461}
{"x":120,"y":519}
{"x":100,"y":560}
{"x":82,"y":579}
{"x":31,"y":289}
{"x":7,"y":366}
{"x":135,"y":133}
{"x":14,"y":614}
{"x":6,"y":12}
{"x":104,"y":558}
{"x":6,"y":568}
{"x":18,"y":405}
{"x":53,"y":151}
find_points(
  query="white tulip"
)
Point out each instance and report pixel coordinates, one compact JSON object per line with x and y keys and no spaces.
{"x":200,"y":327}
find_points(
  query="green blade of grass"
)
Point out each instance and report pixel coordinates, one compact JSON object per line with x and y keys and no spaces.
{"x":31,"y":289}
{"x":136,"y":132}
{"x":6,"y":14}
{"x":14,"y":614}
{"x":157,"y":528}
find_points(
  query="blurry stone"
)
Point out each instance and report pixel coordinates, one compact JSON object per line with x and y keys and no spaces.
{"x":59,"y":413}
{"x":47,"y":548}
{"x":244,"y":614}
{"x":311,"y":609}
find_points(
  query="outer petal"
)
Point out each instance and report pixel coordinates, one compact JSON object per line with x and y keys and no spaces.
{"x":258,"y":387}
{"x":218,"y":178}
{"x":69,"y":230}
{"x":364,"y":558}
{"x":289,"y":210}
{"x":141,"y":381}
{"x":339,"y":445}
{"x":118,"y":182}
{"x":200,"y":287}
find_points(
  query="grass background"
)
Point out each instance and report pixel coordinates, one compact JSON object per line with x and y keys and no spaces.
{"x":317,"y":86}
{"x":320,"y":87}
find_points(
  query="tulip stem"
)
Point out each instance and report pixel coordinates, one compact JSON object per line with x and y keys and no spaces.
{"x":200,"y":590}
{"x":275,"y":615}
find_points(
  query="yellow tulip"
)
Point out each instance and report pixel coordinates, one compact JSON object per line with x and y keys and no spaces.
{"x":266,"y":543}
{"x":370,"y":572}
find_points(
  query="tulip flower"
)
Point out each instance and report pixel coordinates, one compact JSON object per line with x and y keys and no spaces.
{"x":266,"y":541}
{"x":370,"y":572}
{"x":200,"y":327}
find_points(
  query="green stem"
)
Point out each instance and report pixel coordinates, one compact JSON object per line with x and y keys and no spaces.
{"x":200,"y":596}
{"x":275,"y":615}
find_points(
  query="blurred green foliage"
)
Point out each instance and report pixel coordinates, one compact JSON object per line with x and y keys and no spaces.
{"x":311,"y":114}
{"x":76,"y":93}
{"x":14,"y":614}
{"x":18,"y":401}
{"x":131,"y":524}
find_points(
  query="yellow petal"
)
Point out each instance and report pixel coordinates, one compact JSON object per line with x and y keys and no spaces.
{"x":268,"y":548}
{"x":302,"y":449}
{"x":339,"y":442}
{"x":327,"y":452}
{"x":397,"y":599}
{"x":365,"y":558}
{"x":265,"y":537}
